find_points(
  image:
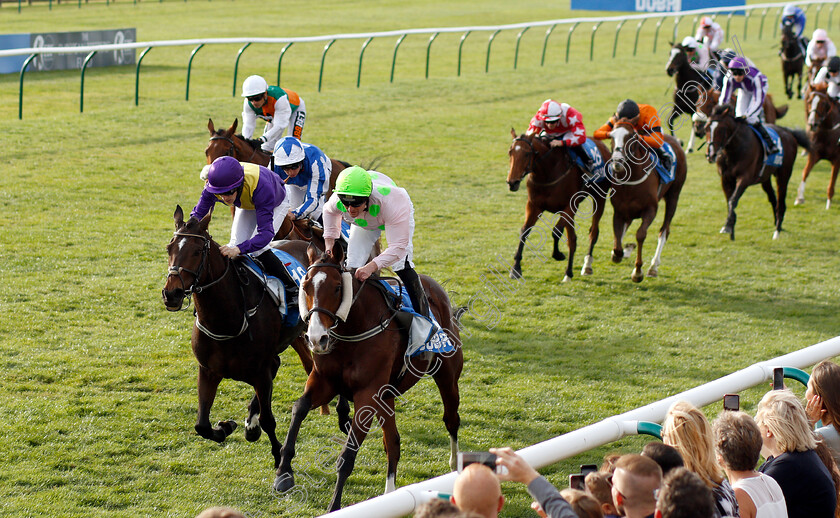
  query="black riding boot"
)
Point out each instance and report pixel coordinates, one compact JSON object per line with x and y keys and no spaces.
{"x":587,"y":161}
{"x":415,"y":290}
{"x":274,"y":266}
{"x":771,"y":146}
{"x":664,"y":158}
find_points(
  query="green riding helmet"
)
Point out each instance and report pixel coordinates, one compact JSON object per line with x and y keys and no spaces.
{"x":353,"y":184}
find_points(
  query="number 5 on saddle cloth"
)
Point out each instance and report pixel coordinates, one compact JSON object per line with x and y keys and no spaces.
{"x":421,"y":336}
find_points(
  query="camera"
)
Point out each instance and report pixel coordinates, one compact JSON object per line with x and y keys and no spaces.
{"x":779,"y":378}
{"x":732,"y":402}
{"x":465,"y":458}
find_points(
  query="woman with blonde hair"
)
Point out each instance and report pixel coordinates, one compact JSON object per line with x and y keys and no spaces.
{"x":687,"y":429}
{"x":789,"y":447}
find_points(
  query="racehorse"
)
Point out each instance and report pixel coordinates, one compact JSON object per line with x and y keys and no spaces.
{"x":739,"y":155}
{"x":359,"y":352}
{"x":556,"y":184}
{"x":824,"y":133}
{"x":237,"y":334}
{"x":638,"y":191}
{"x":793,"y":60}
{"x":707,"y":102}
{"x":690,"y":85}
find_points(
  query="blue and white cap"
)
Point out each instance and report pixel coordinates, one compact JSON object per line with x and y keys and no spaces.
{"x":790,"y":10}
{"x":288,"y":151}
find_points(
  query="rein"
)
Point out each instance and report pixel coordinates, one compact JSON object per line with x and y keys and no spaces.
{"x":232,"y":150}
{"x":530,"y":169}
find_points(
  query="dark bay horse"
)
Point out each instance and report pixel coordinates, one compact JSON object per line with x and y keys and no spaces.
{"x":823,"y":132}
{"x":638,"y":191}
{"x":358,"y":350}
{"x":556,"y":184}
{"x":238,"y":333}
{"x":739,"y":155}
{"x":707,"y":102}
{"x":793,"y":61}
{"x":690,"y":86}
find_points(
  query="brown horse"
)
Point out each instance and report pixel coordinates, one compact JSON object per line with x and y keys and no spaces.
{"x":739,"y":155}
{"x":707,"y":102}
{"x":359,"y":352}
{"x":824,"y":133}
{"x":556,"y":184}
{"x":793,"y":61}
{"x":638,"y":191}
{"x":237,"y":334}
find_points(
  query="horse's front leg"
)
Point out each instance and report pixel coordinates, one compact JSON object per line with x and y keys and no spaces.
{"x":208,"y":383}
{"x":557,"y":234}
{"x":799,"y":88}
{"x":531,"y":215}
{"x":641,"y":235}
{"x":835,"y":165}
{"x":305,"y":355}
{"x":732,"y":204}
{"x":252,"y":423}
{"x":364,"y":418}
{"x":809,"y":165}
{"x":567,"y":220}
{"x":391,"y":441}
{"x":594,"y":233}
{"x":619,"y":228}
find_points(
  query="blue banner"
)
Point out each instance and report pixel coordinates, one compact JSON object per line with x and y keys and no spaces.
{"x":652,"y":6}
{"x":67,"y":39}
{"x":13,"y":41}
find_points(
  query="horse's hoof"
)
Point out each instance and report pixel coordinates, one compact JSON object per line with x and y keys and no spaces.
{"x":690,"y":150}
{"x":253,"y":434}
{"x":799,"y":200}
{"x":629,"y":249}
{"x":284,"y":482}
{"x":227,"y":426}
{"x":566,"y":278}
{"x":775,"y":235}
{"x":586,"y":270}
{"x":726,"y":230}
{"x":653,"y":272}
{"x":516,"y":274}
{"x":558,"y":256}
{"x":827,"y":204}
{"x":616,"y":258}
{"x":637,"y":276}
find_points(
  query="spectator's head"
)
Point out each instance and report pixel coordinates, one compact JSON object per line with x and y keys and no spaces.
{"x":825,"y":378}
{"x":220,"y":512}
{"x":687,"y":429}
{"x":477,"y":489}
{"x":599,"y":486}
{"x":666,"y":456}
{"x":783,"y":423}
{"x":584,"y":505}
{"x":737,"y":441}
{"x":684,"y":495}
{"x":608,"y":466}
{"x":437,"y":508}
{"x":635,"y":480}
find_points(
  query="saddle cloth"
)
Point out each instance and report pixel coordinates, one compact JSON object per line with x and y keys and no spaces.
{"x":421,"y":336}
{"x":774,"y":160}
{"x":279,"y":292}
{"x":599,"y":173}
{"x":666,"y":176}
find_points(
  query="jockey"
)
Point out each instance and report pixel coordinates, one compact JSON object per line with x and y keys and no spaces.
{"x":371,"y":202}
{"x":279,"y":107}
{"x":794,"y":17}
{"x":645,"y":121}
{"x":260,"y":200}
{"x":750,"y":105}
{"x":820,"y":48}
{"x":830,"y":74}
{"x":564,"y":125}
{"x":710,"y":34}
{"x":698,"y":55}
{"x":306,"y":171}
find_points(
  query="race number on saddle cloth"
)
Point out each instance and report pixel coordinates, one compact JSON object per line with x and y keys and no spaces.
{"x":771,"y":159}
{"x":280,"y":108}
{"x":596,"y":167}
{"x":282,"y":295}
{"x":306,"y":171}
{"x":421,"y":337}
{"x":665,"y":175}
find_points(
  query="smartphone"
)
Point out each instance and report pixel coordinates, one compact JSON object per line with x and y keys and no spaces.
{"x":732,"y":402}
{"x":779,"y":378}
{"x":577,"y":481}
{"x":586,"y":469}
{"x":465,"y":458}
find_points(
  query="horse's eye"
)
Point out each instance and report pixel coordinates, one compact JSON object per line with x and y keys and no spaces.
{"x":337,"y":289}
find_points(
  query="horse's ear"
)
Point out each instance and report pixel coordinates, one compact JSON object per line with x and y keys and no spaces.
{"x":204,"y":224}
{"x":312,"y":253}
{"x":512,"y":132}
{"x":233,"y":127}
{"x":179,"y":217}
{"x":211,"y":127}
{"x":338,"y":252}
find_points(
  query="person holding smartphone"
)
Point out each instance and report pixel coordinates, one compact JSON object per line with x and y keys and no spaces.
{"x":548,"y":499}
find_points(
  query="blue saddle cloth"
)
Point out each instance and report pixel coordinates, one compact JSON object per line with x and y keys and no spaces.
{"x":599,"y":173}
{"x":666,"y":176}
{"x":775,"y":159}
{"x":345,"y":230}
{"x":427,"y":341}
{"x":290,"y":312}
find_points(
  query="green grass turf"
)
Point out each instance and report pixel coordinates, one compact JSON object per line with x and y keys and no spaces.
{"x":98,"y":380}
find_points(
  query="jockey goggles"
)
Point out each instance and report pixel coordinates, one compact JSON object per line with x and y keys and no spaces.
{"x":352,"y":201}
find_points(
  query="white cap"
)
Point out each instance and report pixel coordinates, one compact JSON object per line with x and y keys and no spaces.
{"x":689,"y":42}
{"x":254,"y":85}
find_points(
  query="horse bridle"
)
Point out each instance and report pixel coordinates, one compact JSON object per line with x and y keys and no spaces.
{"x":337,"y":319}
{"x":722,"y":147}
{"x":826,"y":114}
{"x":530,"y":169}
{"x":231,"y":151}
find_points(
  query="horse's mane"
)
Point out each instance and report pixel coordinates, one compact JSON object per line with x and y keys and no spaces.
{"x":720,"y":109}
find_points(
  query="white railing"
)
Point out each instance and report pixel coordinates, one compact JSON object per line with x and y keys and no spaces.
{"x":404,"y":500}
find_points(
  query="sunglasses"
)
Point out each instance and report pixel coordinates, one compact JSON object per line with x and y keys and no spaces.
{"x":229,"y":193}
{"x":738,"y":73}
{"x":255,"y":98}
{"x":352,"y":202}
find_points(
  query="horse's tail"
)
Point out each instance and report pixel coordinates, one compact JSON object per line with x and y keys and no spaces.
{"x":801,"y":138}
{"x":345,"y":164}
{"x":374,"y":163}
{"x":781,"y":111}
{"x":459,"y":312}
